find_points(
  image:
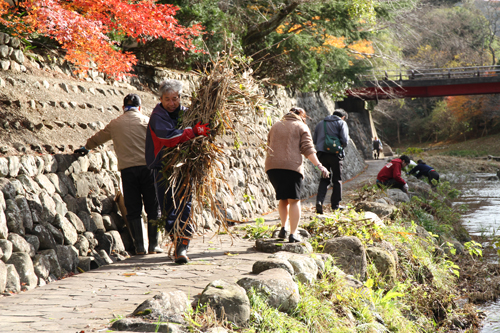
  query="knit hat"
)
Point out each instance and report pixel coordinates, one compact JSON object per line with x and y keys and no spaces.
{"x":132,"y":100}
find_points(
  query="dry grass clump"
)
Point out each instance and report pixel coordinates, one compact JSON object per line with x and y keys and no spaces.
{"x":225,"y":94}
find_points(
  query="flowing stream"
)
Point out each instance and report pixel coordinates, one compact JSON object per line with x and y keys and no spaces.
{"x":482,"y":195}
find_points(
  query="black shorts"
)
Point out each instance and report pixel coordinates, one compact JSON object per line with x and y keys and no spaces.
{"x":287,"y":183}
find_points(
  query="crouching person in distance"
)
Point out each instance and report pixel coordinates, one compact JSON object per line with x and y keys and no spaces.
{"x":128,"y":133}
{"x":423,"y":170}
{"x":390,"y":175}
{"x":164,"y":131}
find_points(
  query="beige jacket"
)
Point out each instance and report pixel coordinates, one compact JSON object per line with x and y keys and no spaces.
{"x":128,"y":133}
{"x":287,"y":141}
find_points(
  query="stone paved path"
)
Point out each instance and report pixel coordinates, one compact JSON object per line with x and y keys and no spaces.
{"x":87,"y":302}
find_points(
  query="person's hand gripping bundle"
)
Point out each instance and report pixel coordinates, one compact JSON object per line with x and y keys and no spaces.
{"x":324,"y":171}
{"x":200,"y":129}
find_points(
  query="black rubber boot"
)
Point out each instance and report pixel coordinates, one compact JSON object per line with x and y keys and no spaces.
{"x":153,"y":239}
{"x":319,"y":207}
{"x":136,"y":225}
{"x":181,"y":250}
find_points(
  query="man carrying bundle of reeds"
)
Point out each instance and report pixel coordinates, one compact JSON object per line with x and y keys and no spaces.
{"x":164,"y":132}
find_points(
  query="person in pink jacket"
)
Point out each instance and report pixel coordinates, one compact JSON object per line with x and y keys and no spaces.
{"x":287,"y":141}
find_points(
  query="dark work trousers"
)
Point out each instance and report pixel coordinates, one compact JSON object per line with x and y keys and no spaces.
{"x":138,"y":187}
{"x":433,"y":175}
{"x":171,"y":206}
{"x":333,"y":163}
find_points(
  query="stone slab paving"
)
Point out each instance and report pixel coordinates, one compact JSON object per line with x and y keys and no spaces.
{"x":88,"y":302}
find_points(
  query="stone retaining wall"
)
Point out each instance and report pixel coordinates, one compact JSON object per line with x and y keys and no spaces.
{"x":11,"y":54}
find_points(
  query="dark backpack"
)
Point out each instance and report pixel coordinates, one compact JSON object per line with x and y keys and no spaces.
{"x":332,"y":144}
{"x":376,"y":144}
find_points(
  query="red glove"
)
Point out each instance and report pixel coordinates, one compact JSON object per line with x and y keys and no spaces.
{"x":199,"y":129}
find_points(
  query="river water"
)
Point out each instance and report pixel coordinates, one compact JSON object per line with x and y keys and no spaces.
{"x":482,"y":195}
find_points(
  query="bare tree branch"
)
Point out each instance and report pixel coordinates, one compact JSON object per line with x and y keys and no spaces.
{"x":259,"y":31}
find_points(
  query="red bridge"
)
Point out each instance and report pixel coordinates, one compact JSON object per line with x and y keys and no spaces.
{"x":432,"y":82}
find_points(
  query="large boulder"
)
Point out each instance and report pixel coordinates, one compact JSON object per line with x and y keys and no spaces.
{"x":29,"y":185}
{"x":381,"y":209}
{"x":45,"y":237}
{"x":82,"y":245}
{"x":24,"y":267}
{"x":68,"y":230}
{"x":141,"y":325}
{"x":105,"y":241}
{"x":35,"y":206}
{"x":276,"y":286}
{"x":56,"y":233}
{"x":76,"y":222}
{"x":55,"y":268}
{"x":19,"y":244}
{"x":4,"y":230}
{"x":349,"y":254}
{"x":14,"y":219}
{"x":118,"y":245}
{"x":7,"y":188}
{"x":61,"y":207}
{"x":275,"y":245}
{"x":168,"y":306}
{"x":397,"y":195}
{"x":67,"y":257}
{"x":58,"y":184}
{"x":25,"y":212}
{"x":13,"y":283}
{"x":45,"y":183}
{"x":34,"y":241}
{"x":383,"y":261}
{"x":228,"y":300}
{"x":263,"y":265}
{"x":87,"y":221}
{"x":7,"y":249}
{"x":48,"y":207}
{"x":304,"y":266}
{"x":41,"y":265}
{"x":97,"y":218}
{"x":3,"y":276}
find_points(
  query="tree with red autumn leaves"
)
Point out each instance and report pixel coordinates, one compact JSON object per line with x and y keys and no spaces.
{"x":83,"y":28}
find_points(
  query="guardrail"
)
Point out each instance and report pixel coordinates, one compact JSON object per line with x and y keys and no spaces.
{"x":431,"y":73}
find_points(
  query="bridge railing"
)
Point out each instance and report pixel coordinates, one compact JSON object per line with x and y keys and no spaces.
{"x":431,"y":73}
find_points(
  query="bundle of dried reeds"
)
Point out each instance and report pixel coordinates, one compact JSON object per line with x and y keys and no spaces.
{"x":226,"y":92}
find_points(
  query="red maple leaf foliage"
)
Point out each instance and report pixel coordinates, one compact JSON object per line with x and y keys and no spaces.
{"x":82,"y":27}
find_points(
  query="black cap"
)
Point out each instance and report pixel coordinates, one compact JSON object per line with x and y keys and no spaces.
{"x":132,"y":100}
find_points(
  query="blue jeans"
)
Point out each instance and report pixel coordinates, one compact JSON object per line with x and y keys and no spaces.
{"x":173,"y":204}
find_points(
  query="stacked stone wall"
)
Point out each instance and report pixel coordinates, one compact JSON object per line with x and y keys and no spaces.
{"x":57,"y":211}
{"x":11,"y":54}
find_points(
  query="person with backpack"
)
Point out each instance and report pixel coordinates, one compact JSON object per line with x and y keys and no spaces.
{"x":330,"y":139}
{"x":377,"y":147}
